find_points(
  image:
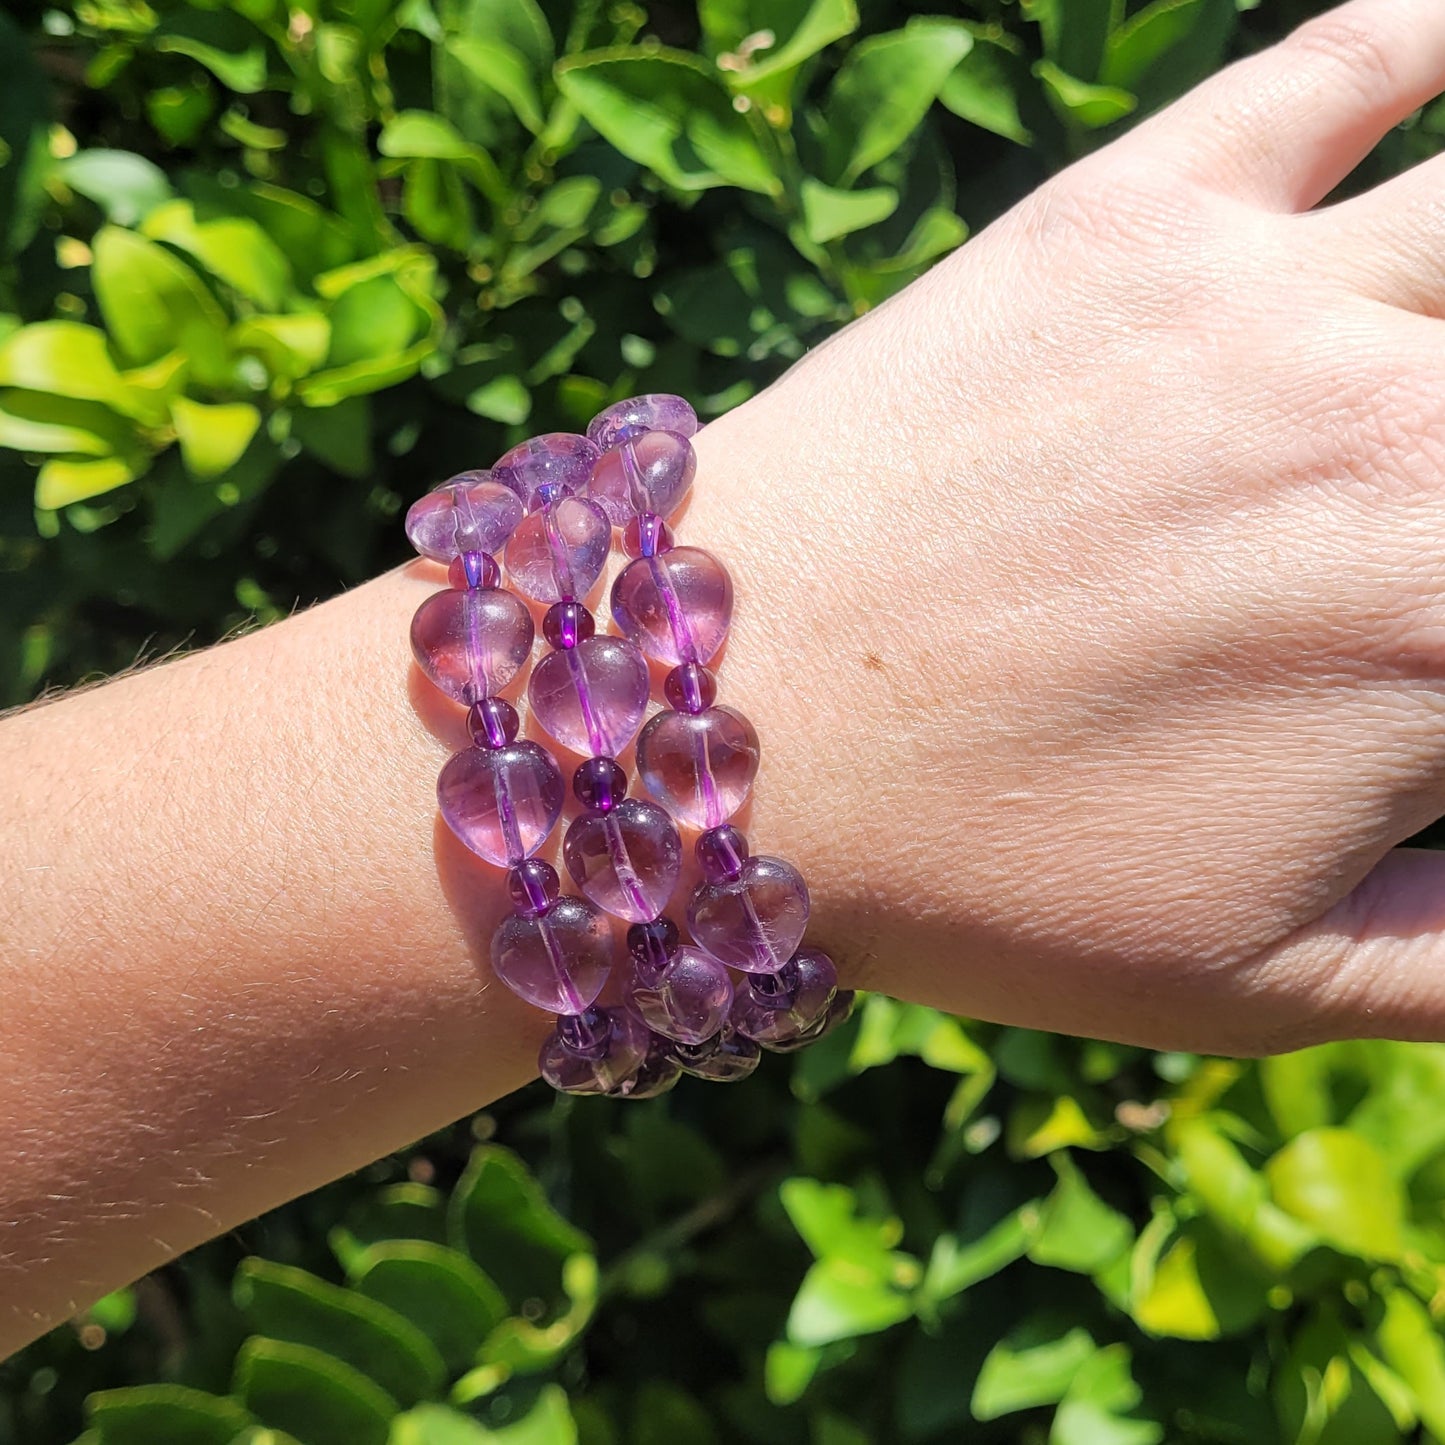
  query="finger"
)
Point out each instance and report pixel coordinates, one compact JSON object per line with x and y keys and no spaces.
{"x":1373,"y":966}
{"x":1390,"y":242}
{"x":1284,"y":127}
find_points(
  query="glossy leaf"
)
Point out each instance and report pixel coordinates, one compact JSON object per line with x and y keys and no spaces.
{"x":1077,"y":1230}
{"x":798,"y":30}
{"x":311,"y":1394}
{"x":838,"y":1301}
{"x":1340,"y":1185}
{"x":164,"y":1415}
{"x":1082,"y":102}
{"x":234,"y":249}
{"x":1100,"y":1405}
{"x":1034,"y":1365}
{"x":829,"y":213}
{"x":985,"y":87}
{"x":213,"y":438}
{"x":668,"y":111}
{"x":125,"y":186}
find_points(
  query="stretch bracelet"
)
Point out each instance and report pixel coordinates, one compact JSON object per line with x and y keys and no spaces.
{"x":549,"y":508}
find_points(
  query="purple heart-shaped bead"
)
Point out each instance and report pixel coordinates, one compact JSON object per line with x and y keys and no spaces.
{"x":676,"y":606}
{"x":690,"y":999}
{"x":653,"y":475}
{"x":471,"y":642}
{"x":501,"y":802}
{"x":557,"y":961}
{"x":755,"y":921}
{"x":625,"y":860}
{"x":591,"y":697}
{"x":699,"y":766}
{"x":559,"y":550}
{"x":472,"y":512}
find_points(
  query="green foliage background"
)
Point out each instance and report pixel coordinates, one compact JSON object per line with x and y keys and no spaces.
{"x":266,"y":273}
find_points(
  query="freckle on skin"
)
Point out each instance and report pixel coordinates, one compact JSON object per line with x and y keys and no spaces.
{"x":873,"y":662}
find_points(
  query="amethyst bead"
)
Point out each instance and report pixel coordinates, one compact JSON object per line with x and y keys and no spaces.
{"x":794,"y":1007}
{"x":599,"y":784}
{"x":689,"y":1002}
{"x":646,"y":535}
{"x":591,"y":697}
{"x":651,"y":945}
{"x":558,"y":461}
{"x":721,"y":853}
{"x":473,"y":512}
{"x":493,"y":722}
{"x":626,"y":860}
{"x":676,"y":606}
{"x":473,"y":569}
{"x":689,"y":687}
{"x":557,"y":961}
{"x":699,"y":766}
{"x":613,"y":1044}
{"x":656,"y":1074}
{"x":558,"y":552}
{"x":533,"y":886}
{"x":565,"y":624}
{"x":647,"y":473}
{"x":754,"y":922}
{"x":838,"y":1013}
{"x":725,"y":1058}
{"x":501,"y":802}
{"x":656,"y":411}
{"x":471,"y":644}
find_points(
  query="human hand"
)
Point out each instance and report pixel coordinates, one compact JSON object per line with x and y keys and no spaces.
{"x":1091,"y":604}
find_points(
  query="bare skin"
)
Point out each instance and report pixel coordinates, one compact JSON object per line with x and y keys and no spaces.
{"x":1090,"y":615}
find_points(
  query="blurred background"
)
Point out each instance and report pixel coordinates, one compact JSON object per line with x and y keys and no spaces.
{"x":269,"y":270}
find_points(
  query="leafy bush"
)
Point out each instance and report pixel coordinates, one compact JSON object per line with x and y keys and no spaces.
{"x":268,"y":271}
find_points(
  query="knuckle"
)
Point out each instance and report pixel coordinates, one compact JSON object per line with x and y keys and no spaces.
{"x":1340,"y":43}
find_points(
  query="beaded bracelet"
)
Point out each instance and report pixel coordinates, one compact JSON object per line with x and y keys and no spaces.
{"x":550,"y":507}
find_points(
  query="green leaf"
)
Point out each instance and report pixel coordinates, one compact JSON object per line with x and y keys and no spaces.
{"x":63,"y":481}
{"x":419,"y":134}
{"x":288,"y":346}
{"x":505,"y":70}
{"x":838,"y":1301}
{"x":1341,"y":1185}
{"x":1322,"y":1395}
{"x":788,"y":1371}
{"x":399,"y":1211}
{"x":759,"y":45}
{"x":955,"y":1264}
{"x":1097,"y":1408}
{"x":438,"y":1289}
{"x":234,"y":249}
{"x":1200,"y":1289}
{"x":830,"y":213}
{"x":153,"y":304}
{"x":503,"y":398}
{"x":883,"y":90}
{"x":1087,"y":105}
{"x":220,"y":40}
{"x":293,"y":1306}
{"x":164,"y":1415}
{"x":826,"y":1216}
{"x":1075,"y":32}
{"x":312,"y":1395}
{"x":125,"y":186}
{"x":1077,"y":1230}
{"x":212,"y":438}
{"x":500,"y":1217}
{"x":984,"y":88}
{"x":36,"y":421}
{"x":1168,"y":46}
{"x":668,"y":111}
{"x":68,"y":359}
{"x":1033,"y":1365}
{"x":548,"y":1422}
{"x":1038,"y":1126}
{"x":1410,"y":1342}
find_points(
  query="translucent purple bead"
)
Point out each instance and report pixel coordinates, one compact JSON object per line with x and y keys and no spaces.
{"x":591,"y":697}
{"x":651,"y":945}
{"x":798,"y":999}
{"x":558,"y":461}
{"x":493,"y":722}
{"x":599,"y":784}
{"x":471,"y":644}
{"x":689,"y":687}
{"x":677,"y":606}
{"x":565,"y":624}
{"x":557,"y":961}
{"x":626,"y":860}
{"x":473,"y":569}
{"x":656,"y":411}
{"x":558,"y":552}
{"x":473,"y":512}
{"x":501,"y":802}
{"x":725,"y":1058}
{"x":699,"y":766}
{"x":657,"y":1073}
{"x":721,"y":853}
{"x":646,"y":535}
{"x":689,"y":1002}
{"x":595,"y":1052}
{"x":754,"y":922}
{"x":533,"y":886}
{"x":838,"y":1013}
{"x":651,"y":474}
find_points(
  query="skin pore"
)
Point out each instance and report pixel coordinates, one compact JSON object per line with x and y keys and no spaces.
{"x":1088,"y":612}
